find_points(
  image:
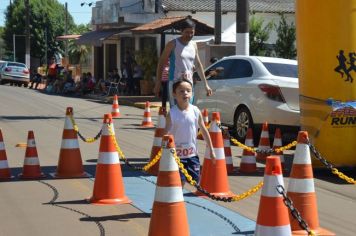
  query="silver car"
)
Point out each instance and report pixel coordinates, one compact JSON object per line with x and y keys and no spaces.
{"x":251,"y":90}
{"x":15,"y":73}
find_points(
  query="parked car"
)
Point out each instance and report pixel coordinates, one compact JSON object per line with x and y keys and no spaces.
{"x":15,"y":73}
{"x":251,"y":90}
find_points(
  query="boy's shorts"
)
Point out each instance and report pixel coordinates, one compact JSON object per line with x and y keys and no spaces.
{"x":192,"y":165}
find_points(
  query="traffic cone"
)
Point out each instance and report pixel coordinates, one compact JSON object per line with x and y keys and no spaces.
{"x":108,"y":184}
{"x":169,"y":216}
{"x":157,"y":140}
{"x":272,"y":218}
{"x":277,"y":143}
{"x":147,"y":120}
{"x":205,"y":115}
{"x":227,"y":152}
{"x":248,"y":159}
{"x":31,"y":167}
{"x":301,"y":189}
{"x":264,"y":143}
{"x":70,"y":163}
{"x":4,"y":166}
{"x":214,"y":176}
{"x":115,"y":112}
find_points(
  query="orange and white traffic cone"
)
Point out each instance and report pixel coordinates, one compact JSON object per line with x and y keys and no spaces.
{"x":147,"y":120}
{"x":205,"y":115}
{"x":214,"y":176}
{"x":227,"y":151}
{"x":5,"y":172}
{"x":301,"y":189}
{"x":31,"y":167}
{"x":70,"y":163}
{"x":277,"y":143}
{"x":115,"y":112}
{"x":248,"y":159}
{"x":264,"y":143}
{"x":272,"y":218}
{"x":169,"y":216}
{"x":157,"y":140}
{"x":108,"y":184}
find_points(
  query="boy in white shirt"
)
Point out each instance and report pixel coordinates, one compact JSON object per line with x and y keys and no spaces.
{"x":183,"y":121}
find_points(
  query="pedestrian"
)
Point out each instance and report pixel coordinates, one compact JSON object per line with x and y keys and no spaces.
{"x":182,"y":122}
{"x":183,"y":55}
{"x":137,"y":77}
{"x":36,"y":79}
{"x":52,"y":72}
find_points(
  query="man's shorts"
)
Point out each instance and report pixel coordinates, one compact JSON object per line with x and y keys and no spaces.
{"x":192,"y":165}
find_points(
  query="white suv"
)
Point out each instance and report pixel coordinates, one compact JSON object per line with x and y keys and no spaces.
{"x":251,"y":90}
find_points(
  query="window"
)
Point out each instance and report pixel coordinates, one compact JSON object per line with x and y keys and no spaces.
{"x":285,"y":70}
{"x":218,"y":71}
{"x":239,"y":69}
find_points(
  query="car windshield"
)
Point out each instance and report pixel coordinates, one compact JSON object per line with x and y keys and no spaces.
{"x":284,"y":70}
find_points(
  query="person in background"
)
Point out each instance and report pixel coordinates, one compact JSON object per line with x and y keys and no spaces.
{"x":137,"y":77}
{"x":183,"y":121}
{"x":36,"y":79}
{"x":164,"y":84}
{"x":51,"y":72}
{"x":183,"y":55}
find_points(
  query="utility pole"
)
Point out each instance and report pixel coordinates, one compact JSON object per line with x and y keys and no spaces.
{"x":217,"y":31}
{"x":242,"y":29}
{"x":28,"y":42}
{"x":66,"y":31}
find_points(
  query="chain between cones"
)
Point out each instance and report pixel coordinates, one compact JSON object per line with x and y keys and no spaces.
{"x":122,"y":155}
{"x":294,"y":212}
{"x":76,"y":129}
{"x":330,"y":166}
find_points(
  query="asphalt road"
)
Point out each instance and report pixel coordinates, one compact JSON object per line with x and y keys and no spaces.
{"x":26,"y":207}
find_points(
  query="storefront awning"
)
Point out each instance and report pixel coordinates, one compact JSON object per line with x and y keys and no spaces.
{"x":96,"y":38}
{"x":171,"y":25}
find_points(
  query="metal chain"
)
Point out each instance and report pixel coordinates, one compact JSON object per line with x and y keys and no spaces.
{"x":233,"y":198}
{"x":294,"y":212}
{"x":122,"y":155}
{"x":330,"y":166}
{"x":257,"y":150}
{"x":87,"y":140}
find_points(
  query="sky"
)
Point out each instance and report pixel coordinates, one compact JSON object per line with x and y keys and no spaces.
{"x":80,"y":14}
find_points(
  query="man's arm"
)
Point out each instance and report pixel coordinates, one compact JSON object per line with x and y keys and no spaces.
{"x":161,"y":63}
{"x":201,"y":74}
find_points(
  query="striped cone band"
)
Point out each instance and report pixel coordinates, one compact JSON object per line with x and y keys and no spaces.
{"x":70,"y":163}
{"x":264,"y":143}
{"x":228,"y":155}
{"x":272,"y":219}
{"x":277,"y":143}
{"x":147,"y":120}
{"x":157,"y":140}
{"x":4,"y":165}
{"x":248,"y":159}
{"x":214,"y":175}
{"x":301,"y":188}
{"x":169,"y":215}
{"x":115,"y":111}
{"x":205,"y":116}
{"x":31,"y":166}
{"x":108,"y":185}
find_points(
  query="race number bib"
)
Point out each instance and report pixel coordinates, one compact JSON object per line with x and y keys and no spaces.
{"x":185,"y":151}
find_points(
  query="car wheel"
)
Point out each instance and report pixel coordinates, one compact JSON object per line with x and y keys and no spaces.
{"x":242,"y":121}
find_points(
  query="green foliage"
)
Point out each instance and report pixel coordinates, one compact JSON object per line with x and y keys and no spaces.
{"x":44,"y":15}
{"x":286,"y":36}
{"x":78,"y":54}
{"x":259,"y":35}
{"x":147,"y":59}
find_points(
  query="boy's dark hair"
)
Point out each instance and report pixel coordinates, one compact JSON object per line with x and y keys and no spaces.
{"x":178,"y":82}
{"x":187,"y":23}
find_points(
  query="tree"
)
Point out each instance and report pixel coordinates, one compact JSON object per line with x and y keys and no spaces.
{"x":45,"y":15}
{"x":285,"y":44}
{"x":259,"y":35}
{"x":78,"y":54}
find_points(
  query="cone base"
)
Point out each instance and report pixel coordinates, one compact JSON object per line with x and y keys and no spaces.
{"x":230,"y":169}
{"x":3,"y":178}
{"x":115,"y":201}
{"x":115,"y":115}
{"x":22,"y":176}
{"x":148,"y":126}
{"x":69,"y":175}
{"x":318,"y":231}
